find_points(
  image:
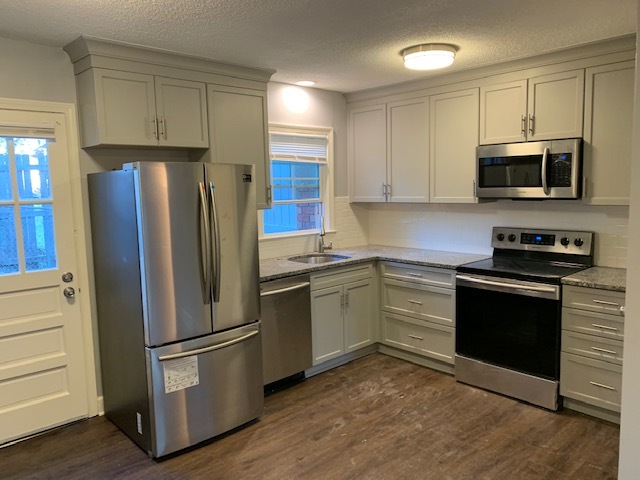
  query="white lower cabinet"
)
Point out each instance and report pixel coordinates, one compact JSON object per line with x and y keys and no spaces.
{"x":343,"y":311}
{"x":592,"y":350}
{"x":418,"y":310}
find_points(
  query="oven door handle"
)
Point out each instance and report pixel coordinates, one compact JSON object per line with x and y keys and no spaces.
{"x":551,"y":292}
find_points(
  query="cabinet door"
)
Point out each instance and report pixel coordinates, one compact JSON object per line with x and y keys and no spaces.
{"x":453,"y":138}
{"x":125,"y":108}
{"x":239,"y":134}
{"x":367,"y":154}
{"x":182,"y":113}
{"x":503,"y":111}
{"x":608,"y":119}
{"x":327,"y":324}
{"x":408,"y":153}
{"x":556,"y":106}
{"x":359,"y":315}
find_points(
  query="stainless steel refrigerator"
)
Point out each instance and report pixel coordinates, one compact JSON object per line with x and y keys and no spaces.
{"x":177,"y":284}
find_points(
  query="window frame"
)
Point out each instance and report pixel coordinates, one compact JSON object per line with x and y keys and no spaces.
{"x":326,"y":180}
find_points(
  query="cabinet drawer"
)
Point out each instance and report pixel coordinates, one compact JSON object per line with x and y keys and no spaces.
{"x":438,"y":277}
{"x":593,"y":347}
{"x":590,"y":323}
{"x":591,"y":381}
{"x":427,"y":303}
{"x":340,"y":276}
{"x":593,"y":300}
{"x":424,"y":338}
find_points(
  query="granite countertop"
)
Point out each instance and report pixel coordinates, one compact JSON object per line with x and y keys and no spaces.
{"x":605,"y":278}
{"x":274,"y":268}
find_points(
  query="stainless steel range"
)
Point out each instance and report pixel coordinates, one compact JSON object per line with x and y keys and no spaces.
{"x":508,"y":312}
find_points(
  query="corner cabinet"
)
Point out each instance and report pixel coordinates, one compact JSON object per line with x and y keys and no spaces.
{"x":238,"y":129}
{"x":135,"y":109}
{"x":608,"y":123}
{"x":343,"y":313}
{"x":546,"y":107}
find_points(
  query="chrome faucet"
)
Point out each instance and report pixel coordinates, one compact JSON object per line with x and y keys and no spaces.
{"x":321,"y":245}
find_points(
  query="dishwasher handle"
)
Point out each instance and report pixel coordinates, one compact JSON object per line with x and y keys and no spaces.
{"x":297,"y":286}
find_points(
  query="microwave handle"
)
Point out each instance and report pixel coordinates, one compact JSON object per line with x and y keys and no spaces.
{"x":545,"y":186}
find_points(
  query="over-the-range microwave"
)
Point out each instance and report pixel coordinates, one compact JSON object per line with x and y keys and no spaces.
{"x":530,"y":171}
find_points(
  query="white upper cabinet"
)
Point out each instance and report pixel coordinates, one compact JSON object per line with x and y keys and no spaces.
{"x":181,"y":109}
{"x":134,"y":109}
{"x":453,"y":138}
{"x":541,"y":108}
{"x":239,"y":133}
{"x":408,"y":151}
{"x":368,"y":154}
{"x":608,"y":123}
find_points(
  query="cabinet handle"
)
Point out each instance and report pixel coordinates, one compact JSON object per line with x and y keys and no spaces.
{"x":605,"y":327}
{"x":346,"y":299}
{"x":603,"y":350}
{"x":384,"y":191}
{"x":417,"y":275}
{"x":416,"y":337}
{"x":531,"y":125}
{"x":596,"y":384}
{"x":415,"y":302}
{"x":523,"y":127}
{"x":388,"y":191}
{"x":163,"y":128}
{"x":269,"y":196}
{"x":603,"y":302}
{"x":155,"y":128}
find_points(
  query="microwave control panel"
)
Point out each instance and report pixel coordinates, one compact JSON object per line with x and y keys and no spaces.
{"x":560,"y":170}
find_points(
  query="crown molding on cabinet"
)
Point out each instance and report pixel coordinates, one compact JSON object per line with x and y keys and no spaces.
{"x":598,"y":53}
{"x":86,"y":52}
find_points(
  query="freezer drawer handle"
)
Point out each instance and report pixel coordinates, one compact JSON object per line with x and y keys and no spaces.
{"x":602,"y":385}
{"x":297,"y":286}
{"x":198,"y":351}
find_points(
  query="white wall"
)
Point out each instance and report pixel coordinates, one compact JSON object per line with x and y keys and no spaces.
{"x":35,"y":72}
{"x":629,"y":468}
{"x":467,"y":228}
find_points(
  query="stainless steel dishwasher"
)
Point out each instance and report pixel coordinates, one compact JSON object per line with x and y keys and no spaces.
{"x":286,"y":328}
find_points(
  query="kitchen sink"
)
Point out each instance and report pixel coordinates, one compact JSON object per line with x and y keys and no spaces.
{"x":316,"y":258}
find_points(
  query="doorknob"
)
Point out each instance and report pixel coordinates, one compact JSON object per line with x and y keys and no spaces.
{"x":69,"y":292}
{"x":67,"y":277}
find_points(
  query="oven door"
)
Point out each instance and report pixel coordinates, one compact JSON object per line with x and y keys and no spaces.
{"x":509,"y":323}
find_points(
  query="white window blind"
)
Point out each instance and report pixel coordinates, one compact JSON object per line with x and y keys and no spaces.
{"x":299,"y":148}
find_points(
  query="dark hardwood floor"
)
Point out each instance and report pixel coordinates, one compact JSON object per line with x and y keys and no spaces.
{"x":375,"y":418}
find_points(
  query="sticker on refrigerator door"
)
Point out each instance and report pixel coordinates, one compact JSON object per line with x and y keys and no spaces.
{"x":180,"y":374}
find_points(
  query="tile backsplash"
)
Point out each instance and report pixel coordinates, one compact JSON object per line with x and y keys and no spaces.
{"x":461,"y":228}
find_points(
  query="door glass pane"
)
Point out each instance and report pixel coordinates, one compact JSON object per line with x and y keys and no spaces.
{"x":5,"y":176}
{"x":32,"y":167}
{"x":8,"y":245}
{"x":38,"y":238}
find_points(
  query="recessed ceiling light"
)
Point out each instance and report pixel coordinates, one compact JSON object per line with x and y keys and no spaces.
{"x":428,"y":56}
{"x":306,"y":83}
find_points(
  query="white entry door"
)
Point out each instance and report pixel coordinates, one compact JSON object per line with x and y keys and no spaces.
{"x":42,"y":364}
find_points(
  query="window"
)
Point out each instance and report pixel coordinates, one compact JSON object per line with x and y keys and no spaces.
{"x":26,"y":206}
{"x":300,"y":180}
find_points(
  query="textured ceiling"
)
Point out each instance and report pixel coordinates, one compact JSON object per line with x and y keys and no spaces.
{"x":344,"y":45}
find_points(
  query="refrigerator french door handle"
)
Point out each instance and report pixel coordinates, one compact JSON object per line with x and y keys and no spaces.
{"x":205,"y":250}
{"x":216,"y":244}
{"x":211,"y":348}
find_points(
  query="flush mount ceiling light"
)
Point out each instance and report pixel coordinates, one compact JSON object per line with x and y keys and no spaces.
{"x":306,"y":83}
{"x":428,"y":56}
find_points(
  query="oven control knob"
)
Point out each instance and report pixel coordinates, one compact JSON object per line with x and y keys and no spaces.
{"x":578,"y":242}
{"x":500,"y":237}
{"x":564,"y":241}
{"x":512,"y":238}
